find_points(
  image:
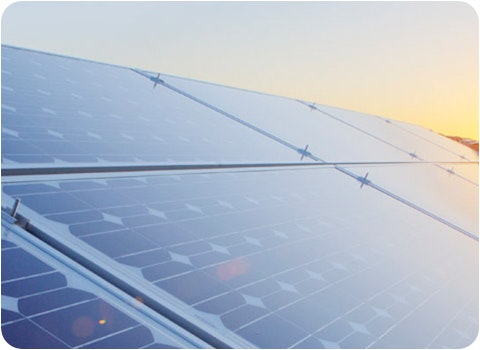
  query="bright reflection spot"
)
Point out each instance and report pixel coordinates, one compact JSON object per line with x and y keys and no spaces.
{"x":232,"y":269}
{"x":102,"y":321}
{"x":83,"y":327}
{"x":106,"y":312}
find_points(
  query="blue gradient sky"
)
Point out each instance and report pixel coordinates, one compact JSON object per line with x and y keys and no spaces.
{"x":412,"y":61}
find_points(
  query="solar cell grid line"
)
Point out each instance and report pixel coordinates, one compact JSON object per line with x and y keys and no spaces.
{"x":439,"y":164}
{"x":38,"y":309}
{"x":397,"y":124}
{"x":304,"y":297}
{"x":431,"y":344}
{"x":314,"y":157}
{"x":273,"y":113}
{"x":464,"y":331}
{"x":230,"y":116}
{"x":212,"y":243}
{"x":100,"y":270}
{"x":168,"y":213}
{"x":16,"y":189}
{"x":405,"y":341}
{"x":268,"y":319}
{"x":431,"y":191}
{"x":209,"y":95}
{"x":209,"y":338}
{"x":53,"y":55}
{"x":436,"y":217}
{"x":326,"y":255}
{"x":330,"y":115}
{"x":412,"y":205}
{"x":17,"y":179}
{"x":99,"y":126}
{"x":350,"y":330}
{"x":315,"y":108}
{"x":429,"y":141}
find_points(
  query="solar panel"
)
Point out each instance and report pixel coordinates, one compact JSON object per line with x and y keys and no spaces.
{"x":238,"y":218}
{"x":398,"y":135}
{"x":82,"y":112}
{"x":271,"y":250}
{"x":432,"y":191}
{"x":443,"y":142}
{"x":327,"y":130}
{"x":47,"y":304}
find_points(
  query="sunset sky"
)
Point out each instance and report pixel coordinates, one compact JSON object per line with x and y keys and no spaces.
{"x":411,"y":61}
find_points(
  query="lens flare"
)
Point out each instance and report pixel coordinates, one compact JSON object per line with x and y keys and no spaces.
{"x":232,"y":269}
{"x":83,"y":327}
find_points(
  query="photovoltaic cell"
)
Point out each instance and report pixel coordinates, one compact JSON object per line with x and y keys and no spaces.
{"x":433,"y":190}
{"x":28,"y":335}
{"x":327,"y":130}
{"x":64,"y":111}
{"x":272,"y":251}
{"x":86,"y":331}
{"x":443,"y":142}
{"x":33,"y":285}
{"x":399,"y":135}
{"x":333,"y":256}
{"x":41,"y":310}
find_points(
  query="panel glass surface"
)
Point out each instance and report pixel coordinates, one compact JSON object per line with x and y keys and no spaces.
{"x":441,"y":141}
{"x":417,"y":140}
{"x":293,"y":258}
{"x":47,"y":305}
{"x":467,"y":171}
{"x":328,"y":136}
{"x":61,"y":111}
{"x":433,"y":189}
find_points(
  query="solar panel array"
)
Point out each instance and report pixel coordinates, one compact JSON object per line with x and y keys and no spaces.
{"x":320,"y":227}
{"x":46,"y":303}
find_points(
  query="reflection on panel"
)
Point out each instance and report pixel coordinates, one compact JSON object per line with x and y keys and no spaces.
{"x":433,"y":189}
{"x":422,"y":143}
{"x":48,"y":307}
{"x":466,"y":171}
{"x":441,"y":141}
{"x":58,"y":110}
{"x":294,"y":258}
{"x":286,"y":257}
{"x":330,"y":134}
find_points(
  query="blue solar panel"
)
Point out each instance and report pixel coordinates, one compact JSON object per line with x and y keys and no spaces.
{"x":26,"y":265}
{"x":32,"y":285}
{"x":433,"y":190}
{"x":28,"y":335}
{"x":267,"y":251}
{"x":85,"y":332}
{"x":52,"y":300}
{"x":327,"y":130}
{"x":258,"y":251}
{"x":82,"y":112}
{"x":40,"y":309}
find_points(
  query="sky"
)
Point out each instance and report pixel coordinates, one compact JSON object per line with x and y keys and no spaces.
{"x":411,"y":61}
